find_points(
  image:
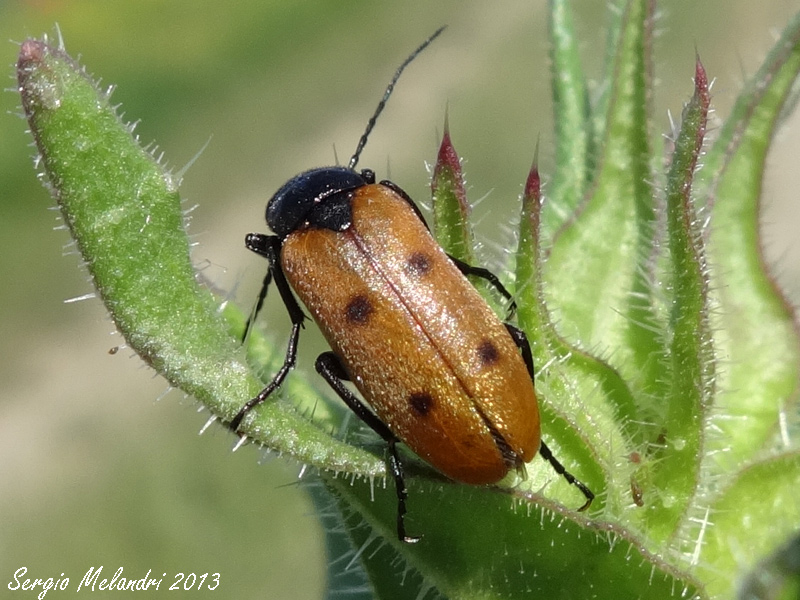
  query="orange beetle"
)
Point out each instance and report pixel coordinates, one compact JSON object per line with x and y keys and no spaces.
{"x":439,"y":371}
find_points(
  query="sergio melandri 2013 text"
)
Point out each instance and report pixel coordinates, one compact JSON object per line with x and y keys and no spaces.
{"x":91,"y":581}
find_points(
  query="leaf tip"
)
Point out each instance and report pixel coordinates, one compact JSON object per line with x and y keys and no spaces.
{"x":448,"y":157}
{"x":38,"y":85}
{"x":30,"y":50}
{"x":31,"y":55}
{"x":701,"y":87}
{"x":448,"y":176}
{"x":533,"y":184}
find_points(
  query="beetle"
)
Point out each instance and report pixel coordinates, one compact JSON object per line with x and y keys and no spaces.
{"x":438,"y":370}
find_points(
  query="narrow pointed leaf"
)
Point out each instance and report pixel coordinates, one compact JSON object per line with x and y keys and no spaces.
{"x":595,"y":276}
{"x":617,"y":16}
{"x":755,"y":328}
{"x":690,"y":358}
{"x":450,"y":207}
{"x":451,"y":211}
{"x":573,"y":126}
{"x":568,"y":378}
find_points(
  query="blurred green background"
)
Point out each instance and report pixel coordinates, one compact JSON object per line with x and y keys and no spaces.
{"x":94,"y":469}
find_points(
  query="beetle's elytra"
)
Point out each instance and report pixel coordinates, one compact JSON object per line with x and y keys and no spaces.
{"x":437,"y":369}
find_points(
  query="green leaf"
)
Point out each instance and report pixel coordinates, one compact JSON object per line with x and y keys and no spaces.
{"x":595,"y":276}
{"x":751,"y":451}
{"x":749,"y":519}
{"x":575,"y":144}
{"x":124,"y":211}
{"x":544,"y":551}
{"x":755,"y":329}
{"x":689,"y":357}
{"x":451,"y":211}
{"x":569,"y":377}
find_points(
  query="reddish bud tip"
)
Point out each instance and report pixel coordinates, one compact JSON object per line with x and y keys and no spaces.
{"x":32,"y":57}
{"x":31,"y":50}
{"x":447,"y":174}
{"x":701,"y":84}
{"x":448,"y":157}
{"x":533,"y":185}
{"x":532,"y":200}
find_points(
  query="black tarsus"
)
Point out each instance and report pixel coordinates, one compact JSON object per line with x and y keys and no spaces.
{"x":330,"y":367}
{"x":382,"y":104}
{"x":559,"y":468}
{"x":396,"y":467}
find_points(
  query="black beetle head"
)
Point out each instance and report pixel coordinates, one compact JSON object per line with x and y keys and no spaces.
{"x":308,"y":193}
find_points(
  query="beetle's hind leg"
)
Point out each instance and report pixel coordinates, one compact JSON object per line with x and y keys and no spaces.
{"x":559,"y":468}
{"x":521,"y":340}
{"x":330,"y":367}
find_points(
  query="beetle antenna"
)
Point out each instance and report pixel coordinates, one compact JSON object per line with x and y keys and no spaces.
{"x":389,"y":88}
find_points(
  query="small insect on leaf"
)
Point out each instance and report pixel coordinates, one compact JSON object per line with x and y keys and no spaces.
{"x":435,"y":366}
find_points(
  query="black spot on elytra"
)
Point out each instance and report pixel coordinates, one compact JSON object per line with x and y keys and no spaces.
{"x":358,"y":310}
{"x":487,"y":352}
{"x":418,"y":264}
{"x":421,"y":402}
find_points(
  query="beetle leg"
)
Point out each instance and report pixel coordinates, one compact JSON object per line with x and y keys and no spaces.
{"x":396,"y":467}
{"x":258,"y":243}
{"x":268,"y":246}
{"x":521,"y":340}
{"x":559,"y":468}
{"x":330,"y":367}
{"x":487,"y":275}
{"x":262,"y":295}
